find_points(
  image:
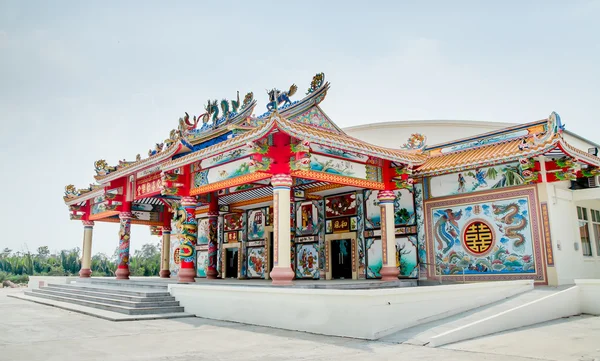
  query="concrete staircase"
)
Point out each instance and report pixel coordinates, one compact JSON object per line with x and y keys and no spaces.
{"x":109,"y":298}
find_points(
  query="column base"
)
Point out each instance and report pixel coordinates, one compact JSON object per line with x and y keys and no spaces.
{"x":165,"y":273}
{"x":85,"y":273}
{"x":212,"y":274}
{"x":186,"y":275}
{"x":122,"y":273}
{"x":389,"y":273}
{"x":282,"y":276}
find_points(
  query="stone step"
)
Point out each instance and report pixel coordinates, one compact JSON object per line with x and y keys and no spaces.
{"x":145,"y":284}
{"x":95,"y":312}
{"x":108,"y":307}
{"x":100,"y":292}
{"x":113,"y":290}
{"x":106,"y":300}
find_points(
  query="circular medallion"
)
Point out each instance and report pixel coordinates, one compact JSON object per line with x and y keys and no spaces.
{"x":478,"y":237}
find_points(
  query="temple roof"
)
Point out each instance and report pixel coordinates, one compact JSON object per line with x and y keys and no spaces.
{"x":503,"y":146}
{"x":301,"y":131}
{"x":478,"y":157}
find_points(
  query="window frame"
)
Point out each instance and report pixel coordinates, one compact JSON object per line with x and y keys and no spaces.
{"x":584,"y":221}
{"x":596,"y":228}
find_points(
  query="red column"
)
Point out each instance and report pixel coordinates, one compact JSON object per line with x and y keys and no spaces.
{"x":189,"y":236}
{"x":213,"y":236}
{"x":124,"y":237}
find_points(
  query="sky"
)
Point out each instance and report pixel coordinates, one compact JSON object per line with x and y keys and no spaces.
{"x":88,"y":80}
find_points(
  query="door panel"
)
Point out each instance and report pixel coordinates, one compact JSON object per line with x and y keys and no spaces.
{"x":341,"y":259}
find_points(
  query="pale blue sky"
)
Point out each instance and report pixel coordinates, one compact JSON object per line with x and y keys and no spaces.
{"x":84,"y":80}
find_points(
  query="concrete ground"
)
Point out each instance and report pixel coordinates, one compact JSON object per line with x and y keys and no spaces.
{"x":29,"y":331}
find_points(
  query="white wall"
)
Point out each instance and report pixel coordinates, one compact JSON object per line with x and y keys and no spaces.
{"x":368,"y":314}
{"x":395,"y":134}
{"x":562,"y":211}
{"x":590,"y":296}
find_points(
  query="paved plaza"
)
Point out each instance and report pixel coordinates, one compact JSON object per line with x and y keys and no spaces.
{"x":31,"y":332}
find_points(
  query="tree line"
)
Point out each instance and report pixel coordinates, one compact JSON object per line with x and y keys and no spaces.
{"x":18,"y":266}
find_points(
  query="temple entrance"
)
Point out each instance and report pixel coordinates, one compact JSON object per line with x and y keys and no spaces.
{"x":231,"y":263}
{"x":341,"y":263}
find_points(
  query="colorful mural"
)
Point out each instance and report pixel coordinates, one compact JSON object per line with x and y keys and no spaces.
{"x":420,"y":220}
{"x":475,"y":180}
{"x":256,"y":224}
{"x":490,"y":237}
{"x":321,"y":163}
{"x":202,"y":263}
{"x":360,"y":235}
{"x":307,"y":261}
{"x":233,"y":221}
{"x":339,"y":153}
{"x":340,"y":205}
{"x":203,"y":231}
{"x":404,"y":209}
{"x":374,"y":257}
{"x":226,"y":171}
{"x":314,"y":116}
{"x":256,"y":262}
{"x":224,"y":157}
{"x":406,"y":252}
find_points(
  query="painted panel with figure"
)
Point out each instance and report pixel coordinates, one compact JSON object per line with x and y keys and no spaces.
{"x":307,"y":261}
{"x":256,"y":262}
{"x":374,"y":257}
{"x":307,"y":218}
{"x":406,"y":256}
{"x":495,"y":234}
{"x":256,"y":224}
{"x":476,"y":180}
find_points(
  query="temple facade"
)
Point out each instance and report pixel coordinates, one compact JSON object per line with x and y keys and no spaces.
{"x":288,"y":195}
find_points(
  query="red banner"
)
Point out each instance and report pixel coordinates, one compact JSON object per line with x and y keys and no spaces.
{"x":148,"y":186}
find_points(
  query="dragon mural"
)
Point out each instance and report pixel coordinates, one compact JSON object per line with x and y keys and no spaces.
{"x":446,"y":229}
{"x":507,"y":215}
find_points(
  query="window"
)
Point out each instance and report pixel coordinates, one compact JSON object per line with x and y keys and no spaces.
{"x":584,"y":232}
{"x":596,"y":228}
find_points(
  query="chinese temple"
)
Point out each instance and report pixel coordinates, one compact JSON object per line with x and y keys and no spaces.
{"x":289,"y":195}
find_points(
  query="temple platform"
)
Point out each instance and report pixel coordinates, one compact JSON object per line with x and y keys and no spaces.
{"x":303,"y":284}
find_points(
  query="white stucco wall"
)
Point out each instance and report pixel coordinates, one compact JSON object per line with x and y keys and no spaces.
{"x":395,"y":134}
{"x":568,"y":254}
{"x":368,"y":314}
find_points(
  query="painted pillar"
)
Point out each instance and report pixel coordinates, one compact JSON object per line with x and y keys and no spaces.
{"x":189,"y":236}
{"x":124,"y":238}
{"x":165,"y":253}
{"x":389,"y":271}
{"x":86,"y":257}
{"x":282,"y":273}
{"x":213,"y":237}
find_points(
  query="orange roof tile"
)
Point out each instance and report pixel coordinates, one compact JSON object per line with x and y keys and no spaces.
{"x":482,"y":156}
